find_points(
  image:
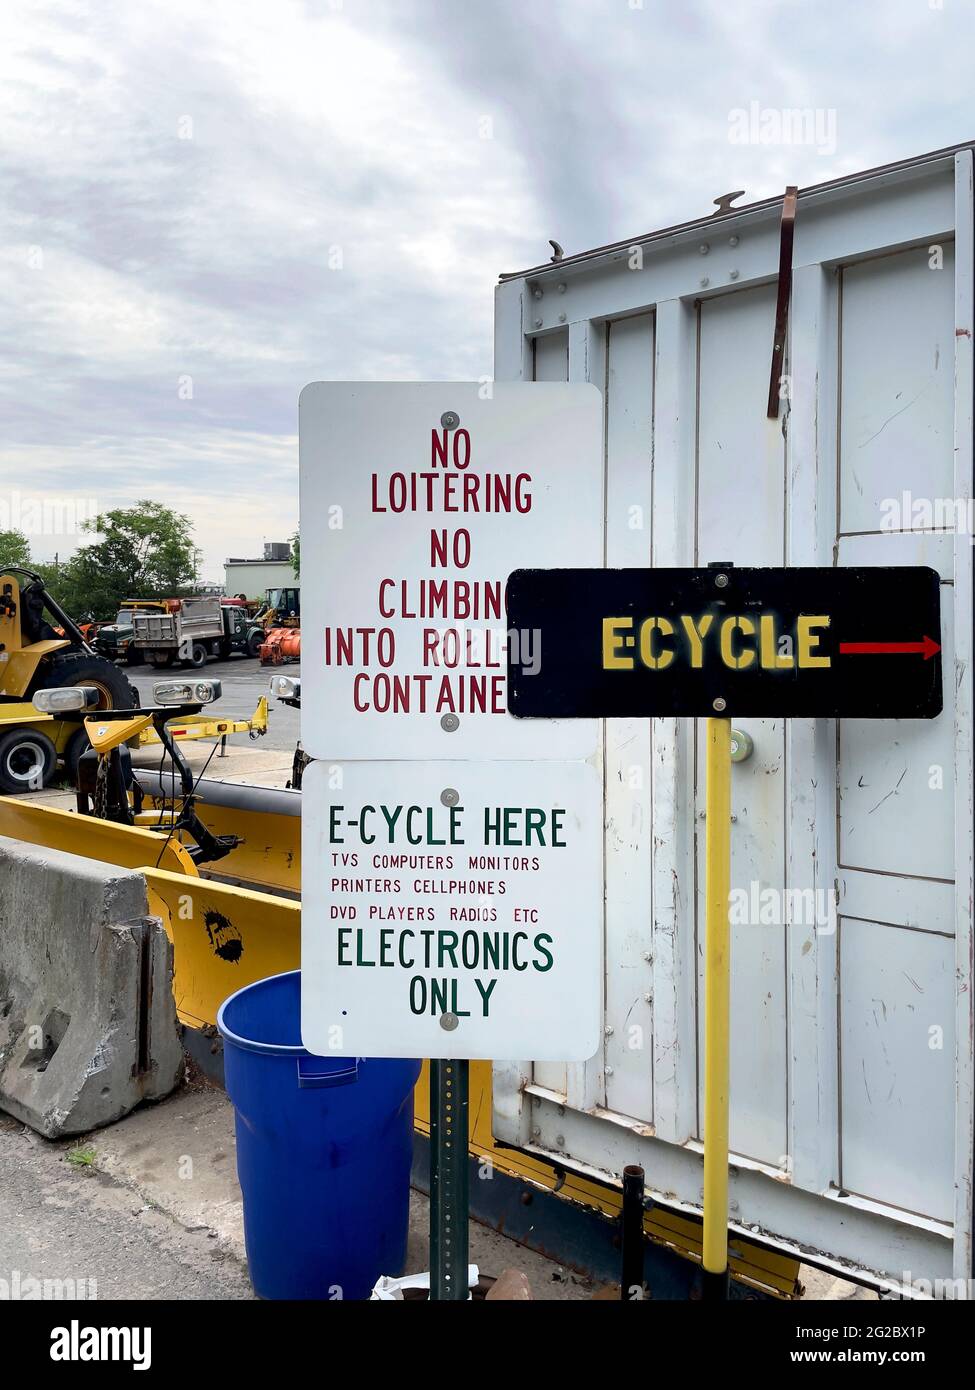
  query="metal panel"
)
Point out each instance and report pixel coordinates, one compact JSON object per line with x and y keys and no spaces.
{"x":897,"y":380}
{"x":550,"y":362}
{"x":810,"y":744}
{"x":897,"y":780}
{"x":896,"y":811}
{"x":964,"y":721}
{"x":671,"y":836}
{"x":741,"y":455}
{"x":897,"y":792}
{"x":741,"y":518}
{"x":896,"y":1074}
{"x":551,"y":357}
{"x":629,"y":980}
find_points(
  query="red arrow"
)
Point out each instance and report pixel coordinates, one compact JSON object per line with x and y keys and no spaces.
{"x":929,"y":647}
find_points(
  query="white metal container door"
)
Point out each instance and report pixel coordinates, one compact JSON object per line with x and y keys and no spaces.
{"x":896,"y":780}
{"x":740,"y":517}
{"x":550,"y":362}
{"x":852,"y":1065}
{"x":628,"y":1057}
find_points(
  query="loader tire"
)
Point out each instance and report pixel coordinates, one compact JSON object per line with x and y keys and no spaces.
{"x":78,"y":745}
{"x":27,"y":761}
{"x":78,"y":668}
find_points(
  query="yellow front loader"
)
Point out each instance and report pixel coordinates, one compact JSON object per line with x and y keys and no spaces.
{"x":38,"y":653}
{"x":41,"y":647}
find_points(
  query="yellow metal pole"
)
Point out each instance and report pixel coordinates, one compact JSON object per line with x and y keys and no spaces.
{"x":717,"y":1006}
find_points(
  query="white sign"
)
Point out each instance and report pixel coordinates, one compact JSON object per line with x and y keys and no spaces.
{"x":451,"y":909}
{"x":417,"y":502}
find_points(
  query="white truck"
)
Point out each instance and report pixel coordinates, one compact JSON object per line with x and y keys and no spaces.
{"x":852,"y":1032}
{"x":194,"y":629}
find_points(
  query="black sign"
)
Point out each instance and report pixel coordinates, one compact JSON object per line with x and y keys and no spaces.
{"x":861,"y":643}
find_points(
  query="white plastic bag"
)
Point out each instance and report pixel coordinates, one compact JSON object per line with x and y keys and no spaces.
{"x":390,"y":1290}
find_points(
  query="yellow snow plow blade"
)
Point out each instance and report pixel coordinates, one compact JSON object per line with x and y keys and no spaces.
{"x":267,"y":819}
{"x":103,"y":840}
{"x":224,"y":937}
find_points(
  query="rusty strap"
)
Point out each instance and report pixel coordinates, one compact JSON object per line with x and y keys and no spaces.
{"x":786,"y":236}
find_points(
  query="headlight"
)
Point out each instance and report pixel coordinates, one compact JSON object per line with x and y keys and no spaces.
{"x":186,"y":692}
{"x":286,"y":687}
{"x":68,"y":697}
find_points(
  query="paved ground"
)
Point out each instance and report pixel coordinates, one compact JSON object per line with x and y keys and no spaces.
{"x":244,"y":681}
{"x":157,"y":1212}
{"x":59,"y":1221}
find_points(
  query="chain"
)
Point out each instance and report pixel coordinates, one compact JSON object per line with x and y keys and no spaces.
{"x":101,"y":789}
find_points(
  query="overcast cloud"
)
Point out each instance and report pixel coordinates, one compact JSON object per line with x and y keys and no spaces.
{"x":207,"y":203}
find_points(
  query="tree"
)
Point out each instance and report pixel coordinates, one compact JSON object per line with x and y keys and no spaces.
{"x":14,"y":549}
{"x":145,"y":551}
{"x":68,"y":588}
{"x":296,"y":554}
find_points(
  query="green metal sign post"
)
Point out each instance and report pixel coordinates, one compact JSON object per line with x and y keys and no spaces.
{"x":449,"y":1184}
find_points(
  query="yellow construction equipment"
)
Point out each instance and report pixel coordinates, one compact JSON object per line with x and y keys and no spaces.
{"x":32,"y":743}
{"x":104,"y":735}
{"x":30,"y":746}
{"x":41,"y":646}
{"x":56,"y":828}
{"x":205,"y":726}
{"x":106,"y":787}
{"x":37,"y":653}
{"x":266,"y":821}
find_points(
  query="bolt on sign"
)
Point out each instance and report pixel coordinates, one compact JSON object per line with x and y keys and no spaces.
{"x":452,"y":857}
{"x":779,"y":643}
{"x":417,"y":501}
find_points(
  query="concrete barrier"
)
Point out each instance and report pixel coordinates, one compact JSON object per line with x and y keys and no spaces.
{"x":87,"y":1020}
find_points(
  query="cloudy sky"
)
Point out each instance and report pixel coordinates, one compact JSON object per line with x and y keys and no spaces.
{"x":207,"y":203}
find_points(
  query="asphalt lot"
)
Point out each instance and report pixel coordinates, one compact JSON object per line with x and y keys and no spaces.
{"x":244,"y":681}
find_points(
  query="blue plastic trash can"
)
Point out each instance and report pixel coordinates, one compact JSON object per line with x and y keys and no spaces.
{"x":324,"y":1149}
